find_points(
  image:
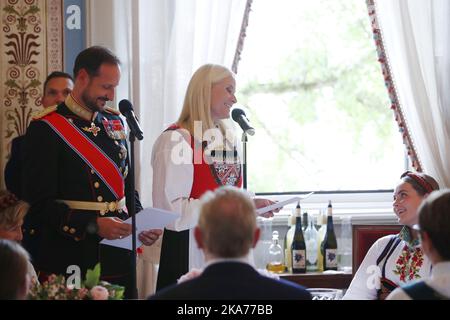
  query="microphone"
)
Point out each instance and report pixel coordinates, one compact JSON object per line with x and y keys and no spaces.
{"x":239,"y":116}
{"x":126,"y":108}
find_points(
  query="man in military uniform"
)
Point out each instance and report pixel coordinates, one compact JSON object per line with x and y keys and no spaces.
{"x":75,"y":177}
{"x":57,"y":87}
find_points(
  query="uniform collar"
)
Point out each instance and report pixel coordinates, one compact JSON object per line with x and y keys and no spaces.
{"x":78,"y":109}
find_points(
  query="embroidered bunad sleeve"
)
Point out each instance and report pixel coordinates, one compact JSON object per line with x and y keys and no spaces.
{"x":367,"y":279}
{"x":173,"y":174}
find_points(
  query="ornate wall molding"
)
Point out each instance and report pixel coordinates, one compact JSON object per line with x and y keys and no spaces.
{"x":55,"y":43}
{"x":23,"y":62}
{"x":27,"y":55}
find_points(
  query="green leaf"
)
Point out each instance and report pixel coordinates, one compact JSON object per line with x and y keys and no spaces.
{"x":116,"y":292}
{"x":10,"y":10}
{"x":92,"y":277}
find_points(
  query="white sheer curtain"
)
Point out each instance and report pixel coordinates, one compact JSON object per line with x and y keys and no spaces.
{"x":161,"y":43}
{"x":416,"y":36}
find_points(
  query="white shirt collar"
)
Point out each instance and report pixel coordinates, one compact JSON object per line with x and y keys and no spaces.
{"x":245,"y":259}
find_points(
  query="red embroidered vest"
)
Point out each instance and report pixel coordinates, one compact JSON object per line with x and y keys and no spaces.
{"x":211,"y":176}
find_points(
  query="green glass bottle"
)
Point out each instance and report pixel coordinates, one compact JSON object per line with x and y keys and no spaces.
{"x":329,"y":244}
{"x":298,"y":247}
{"x":305,"y":221}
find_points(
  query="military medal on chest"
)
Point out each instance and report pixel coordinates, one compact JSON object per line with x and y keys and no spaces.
{"x":114,"y":129}
{"x":92,"y":129}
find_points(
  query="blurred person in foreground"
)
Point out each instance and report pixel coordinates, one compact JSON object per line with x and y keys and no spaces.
{"x":226,"y":232}
{"x":14,"y":277}
{"x":12,"y":214}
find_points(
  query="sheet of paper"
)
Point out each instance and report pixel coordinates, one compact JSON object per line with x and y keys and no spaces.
{"x":150,"y":218}
{"x":281,"y":204}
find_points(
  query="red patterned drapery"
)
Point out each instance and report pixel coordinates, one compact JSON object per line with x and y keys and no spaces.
{"x":390,"y":85}
{"x":242,"y":35}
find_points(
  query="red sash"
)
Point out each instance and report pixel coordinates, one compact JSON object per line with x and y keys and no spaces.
{"x":89,"y":152}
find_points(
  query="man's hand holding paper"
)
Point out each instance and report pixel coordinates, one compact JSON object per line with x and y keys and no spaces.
{"x":149,"y":225}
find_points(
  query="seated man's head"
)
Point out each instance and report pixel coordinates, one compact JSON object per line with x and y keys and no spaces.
{"x":57,"y":87}
{"x":434,"y":224}
{"x":12,"y":213}
{"x":227,"y":224}
{"x":14,"y":277}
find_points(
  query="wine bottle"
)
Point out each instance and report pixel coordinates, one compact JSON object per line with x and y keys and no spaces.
{"x":305,"y":221}
{"x":298,"y":247}
{"x":322,"y":229}
{"x":311,"y":246}
{"x":329,"y":244}
{"x":288,"y":242}
{"x":275,"y":264}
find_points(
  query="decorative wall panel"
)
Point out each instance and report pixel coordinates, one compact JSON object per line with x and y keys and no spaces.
{"x":54,"y":36}
{"x":27,"y":55}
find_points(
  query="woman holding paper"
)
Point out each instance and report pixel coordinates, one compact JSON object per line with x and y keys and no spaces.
{"x":196,"y":154}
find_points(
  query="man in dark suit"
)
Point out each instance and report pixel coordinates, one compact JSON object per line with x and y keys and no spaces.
{"x":76,"y":177}
{"x":226,"y":232}
{"x":57,"y":87}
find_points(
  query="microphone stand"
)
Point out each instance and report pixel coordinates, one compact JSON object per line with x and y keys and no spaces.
{"x":244,"y":153}
{"x":132,"y":213}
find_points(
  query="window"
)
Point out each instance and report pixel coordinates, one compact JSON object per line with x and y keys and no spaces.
{"x":312,"y":85}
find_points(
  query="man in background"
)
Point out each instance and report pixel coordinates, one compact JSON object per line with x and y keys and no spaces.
{"x":57,"y":87}
{"x":226,"y":232}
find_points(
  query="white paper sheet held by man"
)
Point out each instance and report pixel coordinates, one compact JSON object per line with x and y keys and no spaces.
{"x":150,"y":218}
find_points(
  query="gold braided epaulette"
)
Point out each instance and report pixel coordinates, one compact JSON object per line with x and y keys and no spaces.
{"x":46,"y":111}
{"x":112,"y":111}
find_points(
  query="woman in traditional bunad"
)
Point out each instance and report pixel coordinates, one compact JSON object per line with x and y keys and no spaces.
{"x":395,"y":260}
{"x":196,"y":154}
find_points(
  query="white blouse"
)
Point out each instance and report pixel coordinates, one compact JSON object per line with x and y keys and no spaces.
{"x":439,"y":281}
{"x":405,"y":264}
{"x":173,"y":176}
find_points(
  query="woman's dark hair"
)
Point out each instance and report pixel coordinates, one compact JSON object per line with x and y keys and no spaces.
{"x":13,"y":269}
{"x":421,"y":182}
{"x":92,"y":58}
{"x":434,"y":219}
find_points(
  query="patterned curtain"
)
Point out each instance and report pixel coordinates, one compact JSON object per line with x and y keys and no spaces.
{"x":242,"y":35}
{"x":390,"y":85}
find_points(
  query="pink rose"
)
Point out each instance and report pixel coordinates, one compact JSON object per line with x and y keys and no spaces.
{"x":99,"y":293}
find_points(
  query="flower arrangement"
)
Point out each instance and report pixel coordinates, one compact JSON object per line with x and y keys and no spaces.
{"x":56,"y":288}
